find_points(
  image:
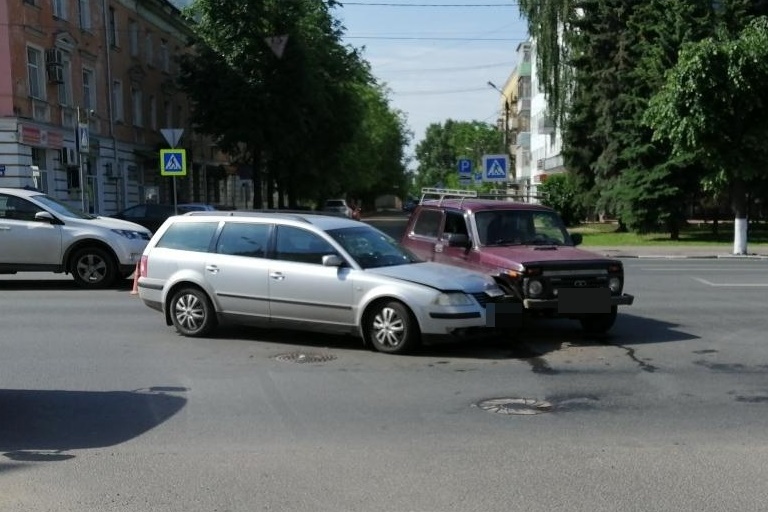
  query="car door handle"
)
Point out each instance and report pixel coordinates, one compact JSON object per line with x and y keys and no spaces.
{"x":278,"y":276}
{"x":5,"y":228}
{"x":213,"y":269}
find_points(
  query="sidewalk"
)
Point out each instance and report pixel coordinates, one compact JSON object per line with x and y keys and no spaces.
{"x":724,"y":251}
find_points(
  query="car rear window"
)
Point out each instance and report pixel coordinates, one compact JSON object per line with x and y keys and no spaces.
{"x":188,"y":236}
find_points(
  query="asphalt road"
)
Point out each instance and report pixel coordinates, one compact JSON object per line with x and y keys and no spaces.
{"x":103,"y":407}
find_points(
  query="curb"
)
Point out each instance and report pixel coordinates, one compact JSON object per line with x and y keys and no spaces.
{"x":687,"y":256}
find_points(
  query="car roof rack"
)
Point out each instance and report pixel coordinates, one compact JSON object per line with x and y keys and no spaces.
{"x":443,"y":193}
{"x":299,"y":215}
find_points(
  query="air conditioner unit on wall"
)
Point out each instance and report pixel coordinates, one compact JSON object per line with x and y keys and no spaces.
{"x":68,"y":156}
{"x":54,"y":63}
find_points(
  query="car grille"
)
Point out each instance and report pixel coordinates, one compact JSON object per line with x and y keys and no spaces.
{"x":482,"y":298}
{"x":579,"y":282}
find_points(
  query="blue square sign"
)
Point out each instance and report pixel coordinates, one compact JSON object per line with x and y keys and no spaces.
{"x":495,"y":167}
{"x":173,"y":162}
{"x":465,"y":167}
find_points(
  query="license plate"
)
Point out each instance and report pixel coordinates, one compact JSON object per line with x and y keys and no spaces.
{"x":576,"y":301}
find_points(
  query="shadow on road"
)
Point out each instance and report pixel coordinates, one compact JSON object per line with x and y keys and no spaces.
{"x":40,"y":425}
{"x":61,"y":284}
{"x":538,"y":338}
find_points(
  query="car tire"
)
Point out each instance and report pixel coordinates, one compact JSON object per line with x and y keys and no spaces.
{"x":93,"y":268}
{"x":191,"y":312}
{"x":599,"y":324}
{"x":391,"y":328}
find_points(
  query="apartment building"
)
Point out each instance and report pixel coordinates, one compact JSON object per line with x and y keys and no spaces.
{"x":85,"y":88}
{"x":536,"y":143}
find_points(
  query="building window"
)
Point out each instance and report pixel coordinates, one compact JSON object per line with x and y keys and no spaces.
{"x":113,"y":27}
{"x":153,"y":112}
{"x":36,"y":73}
{"x":148,"y":50}
{"x":137,"y":107}
{"x":65,"y":87}
{"x":117,"y":100}
{"x":60,"y":9}
{"x":89,"y":89}
{"x":134,"y":34}
{"x":84,"y":13}
{"x":164,"y":55}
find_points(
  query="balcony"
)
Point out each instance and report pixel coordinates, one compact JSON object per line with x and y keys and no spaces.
{"x":553,"y":163}
{"x":546,"y":124}
{"x":524,"y":140}
{"x":523,"y":105}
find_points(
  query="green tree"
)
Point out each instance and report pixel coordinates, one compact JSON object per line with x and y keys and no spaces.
{"x":560,"y":192}
{"x":619,"y":52}
{"x":444,"y":144}
{"x":288,"y":115}
{"x":715,"y":103}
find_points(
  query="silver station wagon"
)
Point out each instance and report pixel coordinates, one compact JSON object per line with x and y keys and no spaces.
{"x":312,"y":272}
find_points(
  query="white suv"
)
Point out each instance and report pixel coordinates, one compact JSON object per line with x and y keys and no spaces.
{"x":39,"y":233}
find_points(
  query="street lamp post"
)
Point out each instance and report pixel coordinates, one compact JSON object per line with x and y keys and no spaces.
{"x":505,"y":133}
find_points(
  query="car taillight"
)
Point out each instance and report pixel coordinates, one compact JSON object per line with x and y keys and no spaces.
{"x":143,"y":266}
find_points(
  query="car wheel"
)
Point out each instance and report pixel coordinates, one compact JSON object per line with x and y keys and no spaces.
{"x":192,"y":313}
{"x":599,"y":324}
{"x":391,"y":328}
{"x":93,"y":268}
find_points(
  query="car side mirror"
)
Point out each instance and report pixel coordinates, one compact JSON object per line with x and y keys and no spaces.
{"x":458,"y":240}
{"x":576,"y":238}
{"x":45,"y":217}
{"x":332,"y":260}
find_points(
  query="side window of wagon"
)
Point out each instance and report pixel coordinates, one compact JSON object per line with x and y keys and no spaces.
{"x":428,"y":223}
{"x":299,"y":245}
{"x":244,"y":239}
{"x":192,"y":236}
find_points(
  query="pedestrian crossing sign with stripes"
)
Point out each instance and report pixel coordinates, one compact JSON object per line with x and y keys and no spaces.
{"x":173,"y":162}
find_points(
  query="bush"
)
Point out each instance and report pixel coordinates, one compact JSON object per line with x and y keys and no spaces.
{"x":559,"y":192}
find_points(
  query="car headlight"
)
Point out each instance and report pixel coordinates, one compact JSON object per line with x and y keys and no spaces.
{"x":614,"y":284}
{"x":535,"y":288}
{"x":130,"y":235}
{"x":453,"y":299}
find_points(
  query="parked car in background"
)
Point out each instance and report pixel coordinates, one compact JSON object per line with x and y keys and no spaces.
{"x":410,"y":204}
{"x":337,"y":207}
{"x":305,"y":271}
{"x":526,"y":249}
{"x":39,"y":233}
{"x":151,"y":216}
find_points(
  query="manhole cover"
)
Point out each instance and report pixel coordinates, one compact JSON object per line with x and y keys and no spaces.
{"x":305,"y":357}
{"x":520,"y":406}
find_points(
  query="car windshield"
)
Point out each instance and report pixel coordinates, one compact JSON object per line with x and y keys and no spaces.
{"x":62,"y":209}
{"x":520,"y":227}
{"x":335,"y":203}
{"x":371,"y":248}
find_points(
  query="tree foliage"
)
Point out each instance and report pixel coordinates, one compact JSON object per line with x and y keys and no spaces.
{"x":444,"y":144}
{"x":715,"y":103}
{"x":296,"y":118}
{"x":560,"y":192}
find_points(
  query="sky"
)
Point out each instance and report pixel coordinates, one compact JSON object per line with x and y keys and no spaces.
{"x":437,"y":56}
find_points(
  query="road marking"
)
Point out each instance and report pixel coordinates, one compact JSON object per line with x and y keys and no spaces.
{"x":719,"y":269}
{"x":735,"y":285}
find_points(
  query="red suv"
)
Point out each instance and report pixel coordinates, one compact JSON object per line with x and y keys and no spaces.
{"x":528,"y":251}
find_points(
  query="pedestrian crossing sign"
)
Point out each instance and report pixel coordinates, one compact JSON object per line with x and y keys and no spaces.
{"x":495,"y":167}
{"x":173,"y":162}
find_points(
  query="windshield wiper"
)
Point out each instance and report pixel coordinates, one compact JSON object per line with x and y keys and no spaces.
{"x":506,"y":241}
